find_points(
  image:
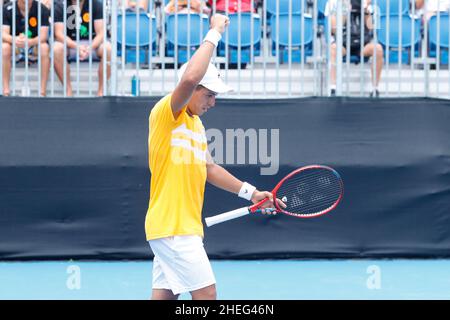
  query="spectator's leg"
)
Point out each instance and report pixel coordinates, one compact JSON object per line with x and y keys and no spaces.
{"x":45,"y":67}
{"x":333,"y":53}
{"x":100,"y":67}
{"x":6,"y":47}
{"x":58,"y":51}
{"x":368,"y":52}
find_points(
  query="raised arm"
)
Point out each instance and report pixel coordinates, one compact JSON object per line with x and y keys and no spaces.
{"x":197,"y":66}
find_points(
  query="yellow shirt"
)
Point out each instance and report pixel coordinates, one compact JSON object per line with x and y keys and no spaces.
{"x":177,"y":161}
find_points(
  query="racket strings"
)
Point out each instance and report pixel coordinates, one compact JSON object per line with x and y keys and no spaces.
{"x":308,"y":207}
{"x":312,"y":177}
{"x":299,"y":205}
{"x":315,"y":207}
{"x":333,"y":188}
{"x":310,"y":192}
{"x":304,"y":184}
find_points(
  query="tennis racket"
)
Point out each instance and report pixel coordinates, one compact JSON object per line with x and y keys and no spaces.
{"x":307,"y":192}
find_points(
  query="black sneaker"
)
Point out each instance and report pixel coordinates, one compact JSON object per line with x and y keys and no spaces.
{"x":375,"y":94}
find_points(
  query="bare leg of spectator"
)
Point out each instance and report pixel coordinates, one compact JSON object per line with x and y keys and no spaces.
{"x":368,"y":52}
{"x":333,"y":53}
{"x":6,"y":47}
{"x":45,"y":67}
{"x":58,"y":52}
{"x":100,"y":67}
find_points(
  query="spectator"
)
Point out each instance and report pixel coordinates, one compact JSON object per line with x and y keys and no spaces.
{"x":47,"y":3}
{"x":233,"y":5}
{"x":85,"y":47}
{"x":430,"y":8}
{"x":196,"y":6}
{"x":369,"y":47}
{"x":21,"y":39}
{"x":131,"y":5}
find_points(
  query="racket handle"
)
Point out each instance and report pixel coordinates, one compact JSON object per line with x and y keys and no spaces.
{"x":210,"y":221}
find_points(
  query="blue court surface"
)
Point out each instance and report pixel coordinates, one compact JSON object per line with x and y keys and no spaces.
{"x":255,"y":279}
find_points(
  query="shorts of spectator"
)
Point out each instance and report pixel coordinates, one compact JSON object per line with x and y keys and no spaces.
{"x":33,"y":54}
{"x":72,"y":53}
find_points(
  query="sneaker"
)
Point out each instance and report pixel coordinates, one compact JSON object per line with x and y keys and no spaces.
{"x":375,"y":94}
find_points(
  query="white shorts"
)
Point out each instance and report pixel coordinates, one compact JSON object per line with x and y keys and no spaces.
{"x":181,"y":264}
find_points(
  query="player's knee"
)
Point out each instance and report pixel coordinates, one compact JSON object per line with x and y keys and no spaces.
{"x":161,"y":294}
{"x":210,"y":293}
{"x":207,"y":293}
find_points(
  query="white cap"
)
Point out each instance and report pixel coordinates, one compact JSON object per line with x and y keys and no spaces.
{"x":211,"y":80}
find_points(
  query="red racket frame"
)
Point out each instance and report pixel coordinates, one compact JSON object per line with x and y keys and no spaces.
{"x":254,"y":208}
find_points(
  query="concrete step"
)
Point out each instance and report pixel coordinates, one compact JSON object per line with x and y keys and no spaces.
{"x":270,"y":82}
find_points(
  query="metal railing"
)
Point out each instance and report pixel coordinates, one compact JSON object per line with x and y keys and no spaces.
{"x":281,"y":48}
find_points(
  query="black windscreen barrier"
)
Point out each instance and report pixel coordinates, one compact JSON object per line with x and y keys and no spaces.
{"x":74,"y":178}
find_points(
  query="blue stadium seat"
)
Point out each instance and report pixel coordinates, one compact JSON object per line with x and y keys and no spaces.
{"x":131,"y":36}
{"x":408,"y":41}
{"x":443,"y":37}
{"x":296,"y":37}
{"x":189,"y":38}
{"x":393,"y":5}
{"x":241,"y":29}
{"x":283,"y":6}
{"x":321,"y":5}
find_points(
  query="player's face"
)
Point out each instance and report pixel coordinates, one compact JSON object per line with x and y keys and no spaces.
{"x":202,"y":100}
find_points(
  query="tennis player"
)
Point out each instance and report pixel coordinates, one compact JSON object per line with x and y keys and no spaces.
{"x":180,"y":165}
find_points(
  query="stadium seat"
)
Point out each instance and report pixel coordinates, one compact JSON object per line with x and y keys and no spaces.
{"x":283,"y":6}
{"x":407,"y":42}
{"x":296,"y":37}
{"x":191,"y":29}
{"x":393,"y":6}
{"x":238,"y":35}
{"x":443,"y":37}
{"x":131,"y":33}
{"x":321,"y":5}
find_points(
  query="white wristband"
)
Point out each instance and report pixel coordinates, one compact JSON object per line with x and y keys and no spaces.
{"x":213,"y":36}
{"x":246,"y":191}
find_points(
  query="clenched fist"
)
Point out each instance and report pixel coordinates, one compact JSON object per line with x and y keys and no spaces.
{"x":219,"y":22}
